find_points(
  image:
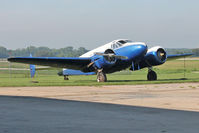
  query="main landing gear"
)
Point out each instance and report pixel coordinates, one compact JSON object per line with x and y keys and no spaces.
{"x":101,"y":76}
{"x":66,"y":77}
{"x":151,"y":75}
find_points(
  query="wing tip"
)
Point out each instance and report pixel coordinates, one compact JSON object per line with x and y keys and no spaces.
{"x":9,"y":59}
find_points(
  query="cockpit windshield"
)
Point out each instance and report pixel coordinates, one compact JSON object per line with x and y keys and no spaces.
{"x":128,"y":41}
{"x":122,"y":41}
{"x":119,"y":43}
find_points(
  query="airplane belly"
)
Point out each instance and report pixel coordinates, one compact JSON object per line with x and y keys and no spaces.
{"x":118,"y":66}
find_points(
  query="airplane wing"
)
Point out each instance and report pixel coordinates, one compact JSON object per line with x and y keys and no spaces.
{"x":61,"y":62}
{"x":177,"y":56}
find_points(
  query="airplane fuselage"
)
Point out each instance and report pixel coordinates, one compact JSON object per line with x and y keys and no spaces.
{"x":134,"y":51}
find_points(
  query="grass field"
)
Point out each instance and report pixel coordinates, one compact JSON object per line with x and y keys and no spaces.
{"x":170,"y":72}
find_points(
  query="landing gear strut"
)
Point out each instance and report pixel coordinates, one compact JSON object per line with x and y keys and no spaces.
{"x":66,"y":77}
{"x":151,"y":75}
{"x":101,"y":76}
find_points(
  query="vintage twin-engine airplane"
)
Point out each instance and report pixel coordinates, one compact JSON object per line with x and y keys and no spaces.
{"x":114,"y":56}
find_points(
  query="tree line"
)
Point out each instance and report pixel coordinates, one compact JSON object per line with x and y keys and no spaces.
{"x":43,"y":52}
{"x":68,"y":52}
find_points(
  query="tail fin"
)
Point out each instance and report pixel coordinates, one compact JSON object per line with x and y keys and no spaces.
{"x":32,"y":69}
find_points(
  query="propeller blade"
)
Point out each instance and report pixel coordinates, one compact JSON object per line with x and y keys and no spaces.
{"x":112,"y":55}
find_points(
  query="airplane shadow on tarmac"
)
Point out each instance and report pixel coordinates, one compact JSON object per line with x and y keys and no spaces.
{"x":39,"y":115}
{"x":147,"y":80}
{"x":119,"y":80}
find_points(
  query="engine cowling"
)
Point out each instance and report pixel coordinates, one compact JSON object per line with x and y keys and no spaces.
{"x":109,"y":59}
{"x":156,"y":56}
{"x":103,"y":60}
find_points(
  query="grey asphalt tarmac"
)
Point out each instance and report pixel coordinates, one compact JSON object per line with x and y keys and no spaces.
{"x":40,"y":115}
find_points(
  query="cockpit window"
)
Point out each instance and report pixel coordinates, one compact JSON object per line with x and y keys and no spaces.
{"x":122,"y":41}
{"x":119,"y":43}
{"x":128,"y":40}
{"x":114,"y":46}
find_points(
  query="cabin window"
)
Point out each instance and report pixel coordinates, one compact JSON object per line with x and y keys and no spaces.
{"x":119,"y":44}
{"x":114,"y":46}
{"x":128,"y":40}
{"x":122,"y":41}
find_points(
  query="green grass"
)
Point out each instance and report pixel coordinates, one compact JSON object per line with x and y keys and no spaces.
{"x":170,"y":72}
{"x":12,"y":65}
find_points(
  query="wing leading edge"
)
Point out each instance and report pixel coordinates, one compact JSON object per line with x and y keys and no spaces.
{"x":177,"y":56}
{"x":60,"y":62}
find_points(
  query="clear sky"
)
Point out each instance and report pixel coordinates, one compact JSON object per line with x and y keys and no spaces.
{"x":91,"y":23}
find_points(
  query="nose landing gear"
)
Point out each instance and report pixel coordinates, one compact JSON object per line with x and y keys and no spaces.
{"x":151,"y":76}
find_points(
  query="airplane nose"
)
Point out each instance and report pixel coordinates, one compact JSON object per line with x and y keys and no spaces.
{"x":133,"y":51}
{"x":143,"y":47}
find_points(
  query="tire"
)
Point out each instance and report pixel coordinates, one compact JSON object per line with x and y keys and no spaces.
{"x":151,"y":76}
{"x":66,"y":77}
{"x":101,"y":77}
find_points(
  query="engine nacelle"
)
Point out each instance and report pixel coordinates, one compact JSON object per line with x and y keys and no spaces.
{"x":155,"y":56}
{"x":105,"y":59}
{"x":109,"y":59}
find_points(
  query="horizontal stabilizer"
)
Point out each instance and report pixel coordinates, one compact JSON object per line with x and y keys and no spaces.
{"x":32,"y":70}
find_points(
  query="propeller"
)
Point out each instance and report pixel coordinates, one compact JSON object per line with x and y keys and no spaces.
{"x":112,"y":55}
{"x":161,"y":54}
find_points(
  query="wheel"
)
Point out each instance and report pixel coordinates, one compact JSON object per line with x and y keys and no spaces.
{"x":101,"y":77}
{"x":66,"y":77}
{"x":151,"y":75}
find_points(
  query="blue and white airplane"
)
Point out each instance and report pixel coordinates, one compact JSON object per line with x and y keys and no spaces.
{"x":111,"y":57}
